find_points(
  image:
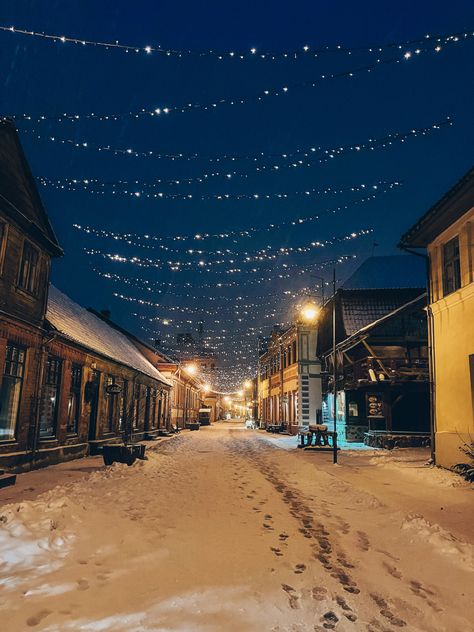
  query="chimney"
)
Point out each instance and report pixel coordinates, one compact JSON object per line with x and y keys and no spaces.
{"x":106,"y":313}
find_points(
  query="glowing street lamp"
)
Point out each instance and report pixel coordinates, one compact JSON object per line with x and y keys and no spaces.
{"x":247,"y":384}
{"x":191,"y":369}
{"x":309,"y":312}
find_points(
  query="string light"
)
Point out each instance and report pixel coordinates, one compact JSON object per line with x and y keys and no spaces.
{"x":285,"y":272}
{"x":98,"y":187}
{"x":302,"y":52}
{"x":291,"y":159}
{"x":153,"y":242}
{"x":260,"y":256}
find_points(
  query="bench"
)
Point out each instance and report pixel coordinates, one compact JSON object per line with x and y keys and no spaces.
{"x":274,"y":428}
{"x":318,"y":437}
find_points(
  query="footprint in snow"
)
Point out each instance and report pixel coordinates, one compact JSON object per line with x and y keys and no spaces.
{"x":38,"y":617}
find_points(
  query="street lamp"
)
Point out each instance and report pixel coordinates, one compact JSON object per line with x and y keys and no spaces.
{"x":191,"y":369}
{"x":309,"y":312}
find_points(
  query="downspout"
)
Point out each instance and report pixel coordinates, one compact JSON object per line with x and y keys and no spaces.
{"x":431,"y":349}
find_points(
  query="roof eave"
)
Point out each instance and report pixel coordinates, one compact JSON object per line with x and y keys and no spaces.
{"x":453,"y":205}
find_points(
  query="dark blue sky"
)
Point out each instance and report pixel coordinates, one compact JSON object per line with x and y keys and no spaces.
{"x":40,"y":77}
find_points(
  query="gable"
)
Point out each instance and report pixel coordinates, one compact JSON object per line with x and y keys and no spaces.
{"x":19,"y":197}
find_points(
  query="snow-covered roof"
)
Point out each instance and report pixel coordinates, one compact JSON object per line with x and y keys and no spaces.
{"x":392,"y":271}
{"x":81,"y":326}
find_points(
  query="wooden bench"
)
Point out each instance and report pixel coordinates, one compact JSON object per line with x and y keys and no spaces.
{"x":318,"y":437}
{"x":274,"y":428}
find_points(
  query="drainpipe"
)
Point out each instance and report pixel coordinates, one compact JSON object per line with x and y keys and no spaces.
{"x":431,"y":349}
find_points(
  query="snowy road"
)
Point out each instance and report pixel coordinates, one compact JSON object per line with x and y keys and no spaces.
{"x":220,"y":530}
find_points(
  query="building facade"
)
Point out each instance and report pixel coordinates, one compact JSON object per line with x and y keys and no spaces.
{"x":446,"y":231}
{"x":381,"y":355}
{"x":68,"y":382}
{"x":289,"y":379}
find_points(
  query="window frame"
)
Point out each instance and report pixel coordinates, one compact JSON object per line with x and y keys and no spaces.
{"x":57,"y":384}
{"x":32,"y":280}
{"x":451,"y":281}
{"x":75,"y":389}
{"x":21,"y":377}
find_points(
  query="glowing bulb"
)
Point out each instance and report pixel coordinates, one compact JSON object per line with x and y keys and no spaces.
{"x":309,"y":312}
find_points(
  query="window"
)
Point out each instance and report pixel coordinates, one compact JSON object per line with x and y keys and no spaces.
{"x":29,"y":265}
{"x":139,"y":412}
{"x":123,"y":405}
{"x":110,"y":402}
{"x":3,"y":240}
{"x":49,"y":400}
{"x":74,"y":400}
{"x":10,"y":393}
{"x":451,"y":266}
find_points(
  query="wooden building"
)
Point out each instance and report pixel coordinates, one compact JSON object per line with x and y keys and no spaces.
{"x":446,"y":231}
{"x":68,"y":381}
{"x":381,"y":354}
{"x":187,"y":389}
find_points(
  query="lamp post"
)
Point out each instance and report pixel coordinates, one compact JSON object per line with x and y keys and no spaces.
{"x":334,"y":367}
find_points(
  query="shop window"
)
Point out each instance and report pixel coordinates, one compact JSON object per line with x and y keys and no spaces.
{"x":353,"y":409}
{"x":451,"y":266}
{"x":10,"y":392}
{"x":28,"y":275}
{"x":74,"y":400}
{"x":50,"y":399}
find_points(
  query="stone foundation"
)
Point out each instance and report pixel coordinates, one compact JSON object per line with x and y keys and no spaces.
{"x":389,"y":440}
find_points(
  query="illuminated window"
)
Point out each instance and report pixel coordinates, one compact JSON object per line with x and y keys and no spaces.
{"x":10,"y":392}
{"x":74,"y":400}
{"x":50,"y":397}
{"x":451,"y":266}
{"x":28,"y":276}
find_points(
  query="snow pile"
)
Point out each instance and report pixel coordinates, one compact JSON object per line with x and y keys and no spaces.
{"x":35,"y":534}
{"x":460,"y":552}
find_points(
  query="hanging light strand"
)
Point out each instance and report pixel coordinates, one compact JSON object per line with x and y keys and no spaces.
{"x":150,"y":241}
{"x":135,"y":188}
{"x":303,"y":51}
{"x":263,"y":95}
{"x":232,"y":264}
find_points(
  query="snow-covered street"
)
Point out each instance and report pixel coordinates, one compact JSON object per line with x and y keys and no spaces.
{"x":222,"y":530}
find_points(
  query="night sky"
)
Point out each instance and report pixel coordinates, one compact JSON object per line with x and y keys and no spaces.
{"x":39,"y":77}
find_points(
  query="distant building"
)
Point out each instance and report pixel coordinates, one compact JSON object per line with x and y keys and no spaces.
{"x":289,"y":378}
{"x":381,"y":354}
{"x":447,"y":232}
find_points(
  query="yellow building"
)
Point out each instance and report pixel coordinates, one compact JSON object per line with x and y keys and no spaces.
{"x":447,"y":232}
{"x":289,"y":378}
